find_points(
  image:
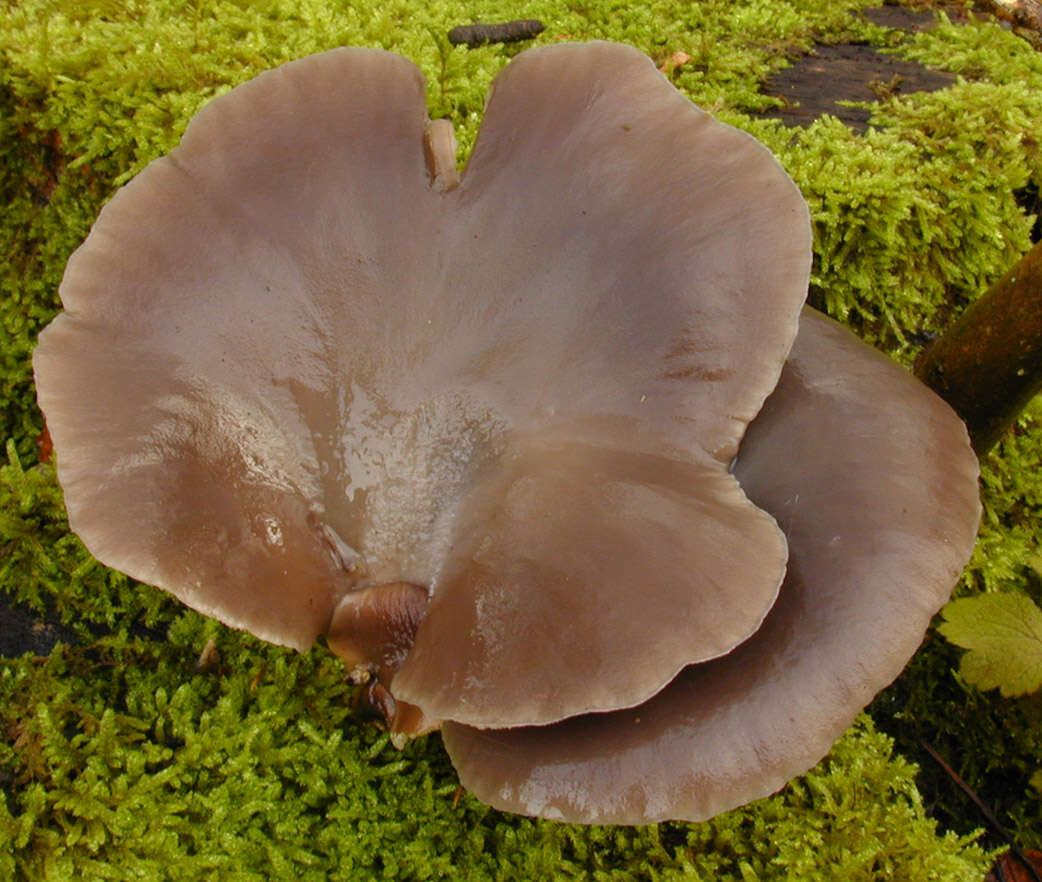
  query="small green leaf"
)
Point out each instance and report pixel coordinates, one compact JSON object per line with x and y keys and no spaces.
{"x":1003,"y":633}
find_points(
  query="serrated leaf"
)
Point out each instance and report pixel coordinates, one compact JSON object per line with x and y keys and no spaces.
{"x":1003,"y":633}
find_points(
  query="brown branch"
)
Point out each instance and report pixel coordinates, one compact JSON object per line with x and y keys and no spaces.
{"x":988,"y":365}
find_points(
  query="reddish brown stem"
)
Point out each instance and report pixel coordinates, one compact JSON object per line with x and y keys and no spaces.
{"x":988,"y":365}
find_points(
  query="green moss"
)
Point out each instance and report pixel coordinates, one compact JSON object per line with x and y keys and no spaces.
{"x":118,"y":760}
{"x":985,"y":52}
{"x":260,"y":771}
{"x":46,"y":568}
{"x":920,"y":214}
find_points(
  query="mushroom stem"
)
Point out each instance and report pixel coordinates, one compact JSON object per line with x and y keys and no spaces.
{"x":439,"y":152}
{"x":988,"y":365}
{"x":372,"y":629}
{"x":375,"y":626}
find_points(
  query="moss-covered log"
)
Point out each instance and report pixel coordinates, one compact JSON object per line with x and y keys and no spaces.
{"x":988,"y":366}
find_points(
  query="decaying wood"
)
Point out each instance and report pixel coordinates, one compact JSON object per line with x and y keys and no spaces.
{"x":1024,"y":15}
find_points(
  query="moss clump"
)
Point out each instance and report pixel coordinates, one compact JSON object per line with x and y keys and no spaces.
{"x":124,"y":763}
{"x":118,"y":760}
{"x":918,"y":216}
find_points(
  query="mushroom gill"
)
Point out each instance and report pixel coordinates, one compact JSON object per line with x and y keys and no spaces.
{"x":481,"y":430}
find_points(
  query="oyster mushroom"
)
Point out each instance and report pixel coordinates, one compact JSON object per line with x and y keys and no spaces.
{"x":480,"y":431}
{"x":869,"y":474}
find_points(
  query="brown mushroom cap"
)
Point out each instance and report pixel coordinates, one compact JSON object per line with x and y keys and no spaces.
{"x":192,"y":384}
{"x":297,"y":362}
{"x":873,"y":480}
{"x":618,"y":295}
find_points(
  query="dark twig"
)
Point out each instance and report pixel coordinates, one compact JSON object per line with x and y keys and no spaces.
{"x":508,"y":32}
{"x":988,"y":813}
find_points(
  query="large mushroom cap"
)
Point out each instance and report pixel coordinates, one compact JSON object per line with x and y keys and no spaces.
{"x":193,"y":383}
{"x":873,"y":480}
{"x":479,"y":430}
{"x":297,"y":361}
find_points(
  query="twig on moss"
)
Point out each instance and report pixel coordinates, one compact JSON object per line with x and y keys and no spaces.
{"x":987,"y":812}
{"x":508,"y":32}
